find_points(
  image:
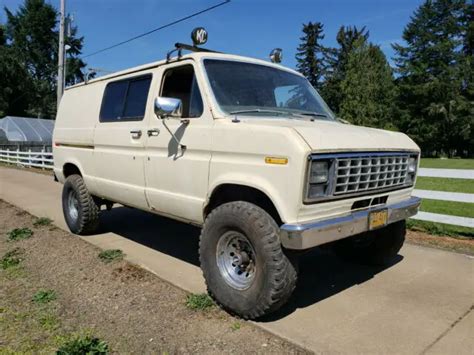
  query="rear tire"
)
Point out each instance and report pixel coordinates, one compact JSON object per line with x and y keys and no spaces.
{"x":242,"y":260}
{"x":378,"y":247}
{"x":80,"y":210}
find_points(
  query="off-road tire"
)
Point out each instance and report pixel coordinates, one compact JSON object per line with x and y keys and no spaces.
{"x":87,"y":221}
{"x":378,"y":247}
{"x":275,"y":276}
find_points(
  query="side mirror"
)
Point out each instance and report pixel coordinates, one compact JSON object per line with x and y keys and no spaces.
{"x":168,"y":107}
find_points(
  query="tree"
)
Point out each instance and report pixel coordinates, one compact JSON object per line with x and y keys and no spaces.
{"x":310,"y":54}
{"x":368,"y":89}
{"x":32,"y":41}
{"x":336,"y":61}
{"x":435,"y":74}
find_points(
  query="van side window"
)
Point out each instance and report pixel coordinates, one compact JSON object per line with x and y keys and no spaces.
{"x":125,"y":100}
{"x":181,"y":83}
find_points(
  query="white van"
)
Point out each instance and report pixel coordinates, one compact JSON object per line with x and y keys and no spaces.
{"x":248,"y":150}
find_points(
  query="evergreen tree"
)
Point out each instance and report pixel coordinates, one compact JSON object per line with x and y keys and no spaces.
{"x":368,"y":89}
{"x":32,"y":41}
{"x":434,"y":70}
{"x":336,"y":59}
{"x":311,"y":53}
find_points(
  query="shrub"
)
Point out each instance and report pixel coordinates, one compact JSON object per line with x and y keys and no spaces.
{"x":19,"y":234}
{"x":199,"y":301}
{"x":110,"y":255}
{"x":81,"y":345}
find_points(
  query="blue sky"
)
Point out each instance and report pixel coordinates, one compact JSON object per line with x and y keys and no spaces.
{"x":244,"y":27}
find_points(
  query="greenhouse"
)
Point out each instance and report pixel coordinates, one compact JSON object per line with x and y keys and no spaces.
{"x":26,"y":131}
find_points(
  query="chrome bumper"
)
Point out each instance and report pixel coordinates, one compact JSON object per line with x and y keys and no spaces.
{"x":310,"y":234}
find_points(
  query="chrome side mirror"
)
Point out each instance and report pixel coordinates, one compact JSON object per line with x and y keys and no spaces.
{"x":168,"y":107}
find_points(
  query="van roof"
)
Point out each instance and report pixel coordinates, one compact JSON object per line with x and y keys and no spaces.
{"x":196,"y":56}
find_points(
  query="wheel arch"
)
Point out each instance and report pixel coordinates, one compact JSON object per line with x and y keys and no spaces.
{"x":71,"y":168}
{"x":229,"y":192}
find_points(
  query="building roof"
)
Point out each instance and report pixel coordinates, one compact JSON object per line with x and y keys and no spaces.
{"x":26,"y":129}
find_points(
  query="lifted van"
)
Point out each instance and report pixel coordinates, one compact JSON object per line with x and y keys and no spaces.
{"x":248,"y":150}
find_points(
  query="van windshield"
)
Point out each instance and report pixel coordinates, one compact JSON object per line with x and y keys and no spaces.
{"x":259,"y":90}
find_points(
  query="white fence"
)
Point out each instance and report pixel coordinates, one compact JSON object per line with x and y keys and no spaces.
{"x":38,"y":159}
{"x":446,"y":196}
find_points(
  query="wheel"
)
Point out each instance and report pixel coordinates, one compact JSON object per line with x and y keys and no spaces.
{"x":377,"y":247}
{"x":245,"y":268}
{"x":80,"y":210}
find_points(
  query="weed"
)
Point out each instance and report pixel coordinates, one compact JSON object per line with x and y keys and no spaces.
{"x":19,"y":234}
{"x":235,"y":326}
{"x":199,"y":301}
{"x":44,"y":296}
{"x":11,"y":259}
{"x":83,"y":344}
{"x":42,"y":222}
{"x":107,"y":256}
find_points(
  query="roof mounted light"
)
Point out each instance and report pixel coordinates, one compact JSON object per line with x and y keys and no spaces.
{"x":199,"y":36}
{"x":276,"y":55}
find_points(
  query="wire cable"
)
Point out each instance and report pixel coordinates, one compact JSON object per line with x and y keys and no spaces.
{"x":157,"y":29}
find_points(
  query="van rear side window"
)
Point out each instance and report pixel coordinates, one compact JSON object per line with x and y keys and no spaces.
{"x":125,"y":100}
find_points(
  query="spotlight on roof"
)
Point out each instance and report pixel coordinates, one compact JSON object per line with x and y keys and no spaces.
{"x":199,"y":36}
{"x":276,"y":55}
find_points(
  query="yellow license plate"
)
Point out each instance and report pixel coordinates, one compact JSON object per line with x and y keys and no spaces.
{"x":378,"y":219}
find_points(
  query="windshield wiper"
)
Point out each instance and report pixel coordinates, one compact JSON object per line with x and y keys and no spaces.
{"x":259,"y":110}
{"x":314,"y":114}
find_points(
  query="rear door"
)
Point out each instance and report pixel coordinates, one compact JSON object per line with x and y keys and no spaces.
{"x":119,"y":140}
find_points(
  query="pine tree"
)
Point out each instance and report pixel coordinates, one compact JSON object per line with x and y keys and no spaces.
{"x":311,"y":52}
{"x":433,"y":77}
{"x":336,"y":61}
{"x":367,"y":90}
{"x":32,"y":38}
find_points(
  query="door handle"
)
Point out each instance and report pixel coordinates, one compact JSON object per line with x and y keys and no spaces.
{"x":153,"y":132}
{"x":136,"y":134}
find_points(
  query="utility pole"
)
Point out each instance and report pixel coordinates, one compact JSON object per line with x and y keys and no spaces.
{"x":60,"y":83}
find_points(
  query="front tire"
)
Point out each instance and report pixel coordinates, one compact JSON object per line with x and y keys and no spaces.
{"x":378,"y":247}
{"x":80,"y":210}
{"x":245,"y":268}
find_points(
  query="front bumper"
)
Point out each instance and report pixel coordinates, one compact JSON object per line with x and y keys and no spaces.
{"x":310,"y":234}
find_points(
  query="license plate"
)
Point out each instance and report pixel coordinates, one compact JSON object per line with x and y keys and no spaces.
{"x":378,"y":219}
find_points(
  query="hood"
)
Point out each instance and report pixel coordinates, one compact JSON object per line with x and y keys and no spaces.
{"x":331,"y":136}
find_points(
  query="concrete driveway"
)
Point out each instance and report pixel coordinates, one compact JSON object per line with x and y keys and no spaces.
{"x":422,"y":304}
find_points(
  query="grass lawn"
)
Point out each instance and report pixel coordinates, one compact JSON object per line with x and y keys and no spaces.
{"x":442,"y":184}
{"x":447,"y":163}
{"x":441,"y":229}
{"x":461,"y":209}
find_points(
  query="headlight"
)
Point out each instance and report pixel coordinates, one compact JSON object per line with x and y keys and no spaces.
{"x":319,"y":172}
{"x":318,"y":179}
{"x":412,"y":165}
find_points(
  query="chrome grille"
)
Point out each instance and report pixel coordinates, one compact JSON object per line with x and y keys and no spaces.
{"x":369,"y":172}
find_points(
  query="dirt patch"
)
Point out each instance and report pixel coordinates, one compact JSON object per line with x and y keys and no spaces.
{"x":129,"y":308}
{"x":459,"y":245}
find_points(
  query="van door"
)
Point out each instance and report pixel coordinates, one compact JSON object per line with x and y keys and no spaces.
{"x":119,"y":141}
{"x":177,"y":179}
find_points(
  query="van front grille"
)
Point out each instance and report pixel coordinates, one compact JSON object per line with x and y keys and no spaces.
{"x":369,"y":172}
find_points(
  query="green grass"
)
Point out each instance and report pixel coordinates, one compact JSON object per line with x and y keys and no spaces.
{"x":235,"y":326}
{"x":199,"y":301}
{"x":107,"y":256}
{"x":447,"y":163}
{"x":462,"y":209}
{"x":440,"y":229}
{"x":11,"y":259}
{"x":442,"y":184}
{"x":83,"y":344}
{"x":19,"y":234}
{"x":44,"y":296}
{"x":42,"y":222}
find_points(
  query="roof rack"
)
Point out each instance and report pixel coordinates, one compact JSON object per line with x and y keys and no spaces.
{"x":179,"y":47}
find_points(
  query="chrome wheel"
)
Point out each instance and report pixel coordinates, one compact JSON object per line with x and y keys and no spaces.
{"x":72,"y":205}
{"x":236,"y":260}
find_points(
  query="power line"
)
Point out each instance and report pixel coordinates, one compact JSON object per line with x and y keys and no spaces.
{"x":157,"y":29}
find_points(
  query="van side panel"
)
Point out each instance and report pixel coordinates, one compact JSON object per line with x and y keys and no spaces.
{"x":73,"y":136}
